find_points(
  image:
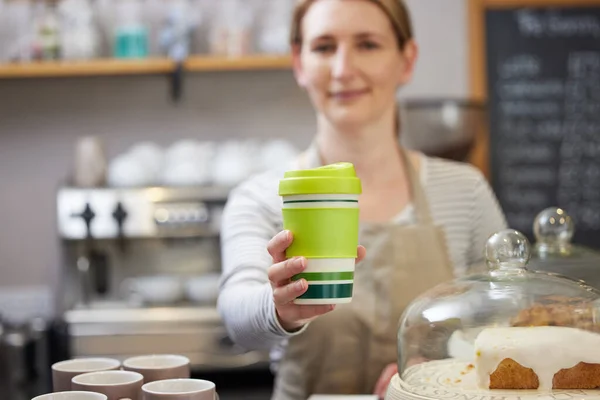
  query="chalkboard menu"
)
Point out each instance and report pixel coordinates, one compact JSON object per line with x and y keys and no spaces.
{"x":543,"y":71}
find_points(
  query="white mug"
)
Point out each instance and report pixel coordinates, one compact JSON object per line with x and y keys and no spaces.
{"x":64,"y":371}
{"x":175,"y":389}
{"x":159,"y":367}
{"x":116,"y":385}
{"x":71,"y":396}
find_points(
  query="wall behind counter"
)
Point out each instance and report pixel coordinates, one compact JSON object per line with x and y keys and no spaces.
{"x":41,"y":119}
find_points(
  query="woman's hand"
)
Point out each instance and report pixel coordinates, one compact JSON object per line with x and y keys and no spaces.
{"x":292,"y":316}
{"x":384,"y":380}
{"x":388,"y":373}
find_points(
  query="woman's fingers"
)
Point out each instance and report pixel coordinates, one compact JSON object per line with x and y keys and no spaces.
{"x":307,"y":312}
{"x":278,"y":244}
{"x":362,"y":252}
{"x":283,"y":295}
{"x":384,"y":380}
{"x":285,"y":291}
{"x":280,"y":273}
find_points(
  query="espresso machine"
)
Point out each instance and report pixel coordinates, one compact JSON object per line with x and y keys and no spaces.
{"x":140,"y":271}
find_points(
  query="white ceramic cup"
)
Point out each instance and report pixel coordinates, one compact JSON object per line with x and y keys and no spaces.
{"x":203,"y":289}
{"x":64,"y":371}
{"x":116,"y":385}
{"x":71,"y":396}
{"x":180,"y":389}
{"x":159,"y":367}
{"x":154,"y":289}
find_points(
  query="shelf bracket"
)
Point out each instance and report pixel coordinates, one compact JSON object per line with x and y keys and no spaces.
{"x":176,"y":78}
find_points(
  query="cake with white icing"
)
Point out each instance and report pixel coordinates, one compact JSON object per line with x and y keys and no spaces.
{"x":573,"y":312}
{"x":538,"y":357}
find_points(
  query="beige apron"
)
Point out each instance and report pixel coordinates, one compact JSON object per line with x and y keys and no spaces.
{"x":346,"y":350}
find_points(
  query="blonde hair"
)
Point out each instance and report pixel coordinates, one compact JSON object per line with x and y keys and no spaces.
{"x":395,"y":10}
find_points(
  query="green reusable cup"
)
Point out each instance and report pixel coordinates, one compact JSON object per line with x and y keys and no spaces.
{"x":320,"y":208}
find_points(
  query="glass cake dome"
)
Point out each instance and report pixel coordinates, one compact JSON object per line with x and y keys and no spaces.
{"x":440,"y":328}
{"x":553,"y":250}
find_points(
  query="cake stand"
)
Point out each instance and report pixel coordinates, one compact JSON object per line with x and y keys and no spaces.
{"x":453,"y":379}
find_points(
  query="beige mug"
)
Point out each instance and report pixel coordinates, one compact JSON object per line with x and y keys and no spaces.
{"x":71,"y":396}
{"x":116,"y":385}
{"x":159,"y":367}
{"x":90,"y":162}
{"x":64,"y":371}
{"x":180,"y":389}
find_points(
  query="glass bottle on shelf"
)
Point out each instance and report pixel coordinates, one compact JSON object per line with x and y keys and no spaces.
{"x":131,"y":34}
{"x":46,"y":37}
{"x":231,"y":32}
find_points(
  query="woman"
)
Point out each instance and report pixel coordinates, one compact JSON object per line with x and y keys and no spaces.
{"x":423,"y":220}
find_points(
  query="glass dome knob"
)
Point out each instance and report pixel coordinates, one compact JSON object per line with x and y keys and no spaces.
{"x":507,"y":249}
{"x":553,"y":226}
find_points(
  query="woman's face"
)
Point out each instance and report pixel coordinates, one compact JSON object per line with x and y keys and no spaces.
{"x":349,"y":61}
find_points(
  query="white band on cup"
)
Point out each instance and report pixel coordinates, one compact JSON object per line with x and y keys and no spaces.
{"x":321,"y":201}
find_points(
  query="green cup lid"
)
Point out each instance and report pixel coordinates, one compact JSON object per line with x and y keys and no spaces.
{"x":338,"y":178}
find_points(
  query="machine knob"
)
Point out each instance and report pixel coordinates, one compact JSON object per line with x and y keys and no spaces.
{"x":88,"y":215}
{"x":120,"y":215}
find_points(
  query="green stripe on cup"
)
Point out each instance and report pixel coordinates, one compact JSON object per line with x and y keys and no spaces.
{"x":319,"y":201}
{"x":335,"y":291}
{"x":325,"y":276}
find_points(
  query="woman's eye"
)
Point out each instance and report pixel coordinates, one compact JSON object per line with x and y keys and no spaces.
{"x":324,"y":48}
{"x":368,"y":45}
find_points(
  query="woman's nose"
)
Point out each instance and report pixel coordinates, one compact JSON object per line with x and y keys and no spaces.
{"x":343,"y":64}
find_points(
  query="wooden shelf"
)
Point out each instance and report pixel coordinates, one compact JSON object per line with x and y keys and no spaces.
{"x":104,"y":67}
{"x":86,"y":68}
{"x":202,"y":63}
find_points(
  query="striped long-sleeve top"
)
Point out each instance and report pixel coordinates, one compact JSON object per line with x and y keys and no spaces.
{"x":461,"y":202}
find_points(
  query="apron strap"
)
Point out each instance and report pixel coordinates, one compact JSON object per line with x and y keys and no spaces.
{"x":421,"y":205}
{"x":311,"y":159}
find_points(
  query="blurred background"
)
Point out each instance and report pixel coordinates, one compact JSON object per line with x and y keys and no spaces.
{"x":125,"y":123}
{"x":94,"y":111}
